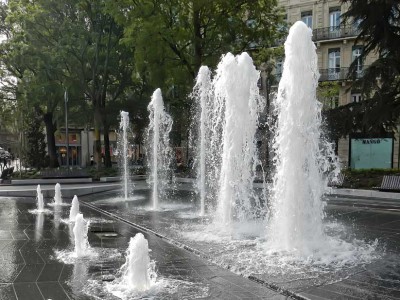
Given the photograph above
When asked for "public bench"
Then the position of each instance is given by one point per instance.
(390, 183)
(5, 176)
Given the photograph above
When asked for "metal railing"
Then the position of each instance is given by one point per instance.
(333, 74)
(334, 32)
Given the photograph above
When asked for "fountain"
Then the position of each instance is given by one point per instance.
(80, 236)
(235, 88)
(202, 95)
(57, 194)
(227, 113)
(303, 157)
(123, 151)
(138, 272)
(158, 150)
(39, 227)
(74, 209)
(39, 197)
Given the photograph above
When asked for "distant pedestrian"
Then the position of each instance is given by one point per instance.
(91, 160)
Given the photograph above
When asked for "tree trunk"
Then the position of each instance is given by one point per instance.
(97, 140)
(51, 141)
(107, 156)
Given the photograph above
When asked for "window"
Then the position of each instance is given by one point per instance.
(356, 97)
(334, 64)
(306, 17)
(356, 58)
(278, 69)
(279, 66)
(334, 18)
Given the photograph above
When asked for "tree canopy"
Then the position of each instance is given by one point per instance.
(111, 55)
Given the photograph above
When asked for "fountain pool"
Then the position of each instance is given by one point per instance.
(293, 241)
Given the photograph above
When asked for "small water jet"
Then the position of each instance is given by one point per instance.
(74, 209)
(39, 226)
(201, 94)
(138, 272)
(39, 198)
(158, 150)
(123, 152)
(80, 236)
(57, 195)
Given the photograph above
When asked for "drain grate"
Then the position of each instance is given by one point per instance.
(106, 234)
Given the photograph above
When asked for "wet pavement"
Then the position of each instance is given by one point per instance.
(30, 245)
(374, 223)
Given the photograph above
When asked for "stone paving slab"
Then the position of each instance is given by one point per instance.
(361, 217)
(30, 270)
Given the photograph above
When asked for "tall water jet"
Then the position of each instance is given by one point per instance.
(80, 236)
(158, 150)
(201, 94)
(303, 157)
(39, 198)
(74, 209)
(238, 96)
(57, 194)
(123, 151)
(137, 272)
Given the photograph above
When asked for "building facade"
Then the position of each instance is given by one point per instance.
(81, 147)
(337, 48)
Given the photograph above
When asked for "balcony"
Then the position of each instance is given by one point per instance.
(331, 33)
(334, 74)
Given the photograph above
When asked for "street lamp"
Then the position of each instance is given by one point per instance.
(66, 125)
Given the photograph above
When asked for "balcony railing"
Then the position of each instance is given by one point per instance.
(333, 74)
(336, 32)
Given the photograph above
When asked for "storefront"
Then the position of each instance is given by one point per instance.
(371, 152)
(74, 148)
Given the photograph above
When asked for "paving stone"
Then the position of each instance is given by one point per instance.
(27, 291)
(28, 262)
(7, 292)
(52, 290)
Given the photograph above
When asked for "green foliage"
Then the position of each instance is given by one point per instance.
(97, 173)
(366, 178)
(328, 93)
(172, 39)
(36, 146)
(111, 55)
(31, 174)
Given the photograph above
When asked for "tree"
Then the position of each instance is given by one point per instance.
(379, 25)
(74, 45)
(36, 145)
(173, 38)
(92, 42)
(30, 55)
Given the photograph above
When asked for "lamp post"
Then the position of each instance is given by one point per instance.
(66, 125)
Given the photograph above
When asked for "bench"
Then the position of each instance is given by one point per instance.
(336, 181)
(5, 176)
(390, 183)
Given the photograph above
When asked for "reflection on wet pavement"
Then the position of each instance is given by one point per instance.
(370, 221)
(29, 268)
